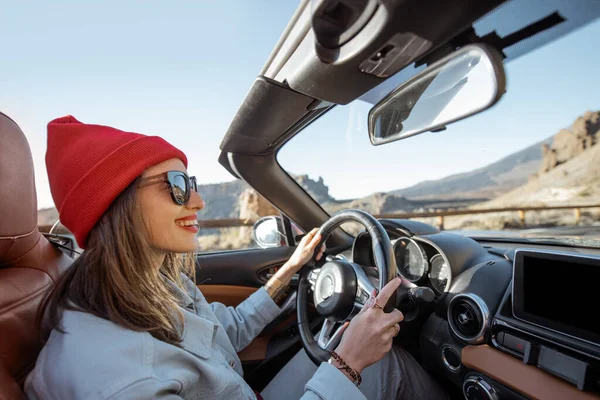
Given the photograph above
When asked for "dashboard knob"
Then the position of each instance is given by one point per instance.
(421, 295)
(476, 388)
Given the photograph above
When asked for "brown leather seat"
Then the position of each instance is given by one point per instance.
(29, 263)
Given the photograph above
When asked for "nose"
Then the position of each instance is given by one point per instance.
(196, 202)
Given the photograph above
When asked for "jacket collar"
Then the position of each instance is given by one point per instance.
(185, 300)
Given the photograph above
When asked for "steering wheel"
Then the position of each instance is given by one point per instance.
(341, 288)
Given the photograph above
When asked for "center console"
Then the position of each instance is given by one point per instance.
(550, 316)
(523, 327)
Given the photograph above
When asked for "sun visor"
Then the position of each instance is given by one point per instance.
(268, 111)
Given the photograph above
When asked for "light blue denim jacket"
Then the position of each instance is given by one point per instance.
(97, 359)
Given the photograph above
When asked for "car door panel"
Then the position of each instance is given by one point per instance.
(230, 295)
(239, 267)
(230, 277)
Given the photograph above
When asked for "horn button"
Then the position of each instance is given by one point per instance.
(335, 290)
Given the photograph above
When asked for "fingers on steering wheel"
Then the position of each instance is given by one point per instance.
(388, 290)
(321, 251)
(313, 241)
(309, 236)
(316, 239)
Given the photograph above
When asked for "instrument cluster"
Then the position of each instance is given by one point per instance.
(421, 263)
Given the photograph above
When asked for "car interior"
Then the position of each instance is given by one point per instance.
(489, 319)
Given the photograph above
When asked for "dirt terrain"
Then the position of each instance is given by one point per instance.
(569, 174)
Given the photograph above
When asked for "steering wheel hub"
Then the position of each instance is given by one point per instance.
(326, 288)
(335, 290)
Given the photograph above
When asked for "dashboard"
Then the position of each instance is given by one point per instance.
(508, 321)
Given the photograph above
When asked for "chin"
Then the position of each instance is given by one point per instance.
(180, 246)
(185, 248)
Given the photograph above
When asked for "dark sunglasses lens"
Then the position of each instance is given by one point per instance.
(180, 188)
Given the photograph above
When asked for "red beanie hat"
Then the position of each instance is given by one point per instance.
(90, 165)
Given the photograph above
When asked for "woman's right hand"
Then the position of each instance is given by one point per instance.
(370, 334)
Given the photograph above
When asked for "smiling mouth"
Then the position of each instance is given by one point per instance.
(193, 222)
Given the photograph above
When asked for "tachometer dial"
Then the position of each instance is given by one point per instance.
(411, 260)
(439, 274)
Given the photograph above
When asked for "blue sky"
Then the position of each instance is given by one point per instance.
(181, 70)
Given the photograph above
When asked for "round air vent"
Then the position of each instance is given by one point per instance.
(468, 317)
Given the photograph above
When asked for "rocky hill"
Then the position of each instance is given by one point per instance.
(571, 142)
(575, 181)
(483, 183)
(377, 203)
(569, 172)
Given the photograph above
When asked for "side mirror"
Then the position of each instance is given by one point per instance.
(459, 85)
(269, 232)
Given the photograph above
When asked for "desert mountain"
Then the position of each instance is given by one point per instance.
(483, 183)
(569, 172)
(223, 199)
(576, 181)
(377, 203)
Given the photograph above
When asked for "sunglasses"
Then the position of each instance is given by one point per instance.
(179, 183)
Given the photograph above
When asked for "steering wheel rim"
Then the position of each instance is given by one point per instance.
(383, 256)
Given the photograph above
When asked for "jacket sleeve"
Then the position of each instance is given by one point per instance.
(329, 383)
(244, 322)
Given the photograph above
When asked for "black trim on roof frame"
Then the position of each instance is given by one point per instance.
(269, 110)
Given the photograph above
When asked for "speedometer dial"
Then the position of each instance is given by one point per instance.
(440, 274)
(411, 260)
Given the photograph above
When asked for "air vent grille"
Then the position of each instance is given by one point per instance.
(468, 317)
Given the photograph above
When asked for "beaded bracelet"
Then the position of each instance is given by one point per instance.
(352, 372)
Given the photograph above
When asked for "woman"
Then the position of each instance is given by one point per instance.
(128, 320)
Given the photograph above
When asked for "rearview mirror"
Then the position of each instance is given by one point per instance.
(463, 83)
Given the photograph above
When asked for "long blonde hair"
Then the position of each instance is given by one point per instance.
(114, 278)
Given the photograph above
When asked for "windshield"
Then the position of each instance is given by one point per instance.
(526, 166)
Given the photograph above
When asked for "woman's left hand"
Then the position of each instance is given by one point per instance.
(302, 255)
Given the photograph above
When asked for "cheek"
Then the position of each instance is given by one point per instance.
(158, 226)
(159, 217)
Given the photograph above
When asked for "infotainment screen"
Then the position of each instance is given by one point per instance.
(558, 291)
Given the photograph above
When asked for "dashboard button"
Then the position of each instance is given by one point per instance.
(500, 338)
(514, 343)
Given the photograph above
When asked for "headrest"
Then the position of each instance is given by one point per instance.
(18, 203)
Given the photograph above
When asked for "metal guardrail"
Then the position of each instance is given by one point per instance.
(224, 223)
(441, 214)
(520, 210)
